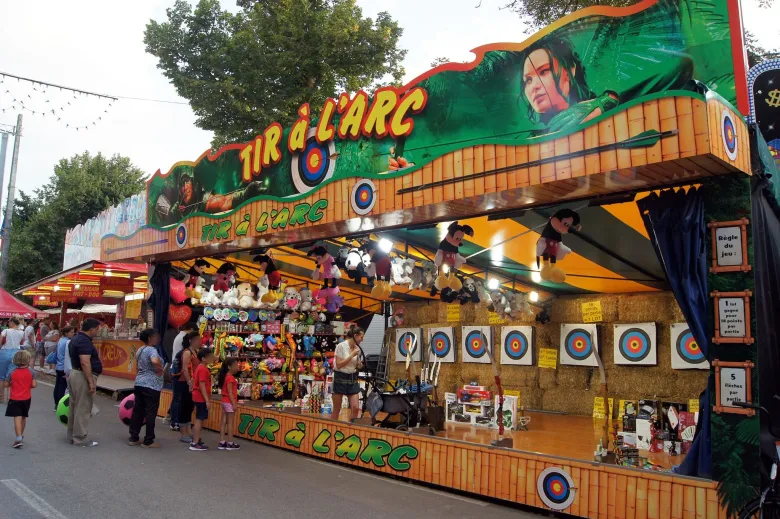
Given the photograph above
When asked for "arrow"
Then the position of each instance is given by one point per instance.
(644, 139)
(129, 247)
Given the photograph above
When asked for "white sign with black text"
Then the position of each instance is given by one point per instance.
(731, 313)
(728, 246)
(733, 386)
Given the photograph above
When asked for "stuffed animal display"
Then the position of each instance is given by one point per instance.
(326, 270)
(225, 277)
(380, 268)
(270, 278)
(550, 247)
(448, 256)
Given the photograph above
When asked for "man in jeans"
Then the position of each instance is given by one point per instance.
(86, 367)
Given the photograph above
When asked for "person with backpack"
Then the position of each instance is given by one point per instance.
(173, 410)
(148, 385)
(182, 373)
(61, 383)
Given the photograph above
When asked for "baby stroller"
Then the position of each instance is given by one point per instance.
(397, 409)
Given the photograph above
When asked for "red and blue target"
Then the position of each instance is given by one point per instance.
(729, 134)
(181, 235)
(688, 349)
(407, 344)
(314, 165)
(555, 488)
(515, 345)
(441, 344)
(634, 345)
(476, 344)
(363, 196)
(579, 344)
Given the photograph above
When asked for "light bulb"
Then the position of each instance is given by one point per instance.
(385, 245)
(533, 296)
(493, 284)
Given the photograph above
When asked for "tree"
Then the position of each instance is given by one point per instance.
(81, 187)
(756, 53)
(544, 12)
(243, 71)
(439, 61)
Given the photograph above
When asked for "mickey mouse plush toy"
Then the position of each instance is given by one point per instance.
(448, 255)
(196, 270)
(270, 278)
(550, 247)
(379, 267)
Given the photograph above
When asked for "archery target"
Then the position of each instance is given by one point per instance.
(686, 353)
(579, 345)
(729, 134)
(635, 344)
(181, 236)
(555, 488)
(475, 343)
(517, 345)
(314, 165)
(441, 345)
(407, 339)
(363, 196)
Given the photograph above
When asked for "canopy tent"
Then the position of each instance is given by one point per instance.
(86, 309)
(10, 307)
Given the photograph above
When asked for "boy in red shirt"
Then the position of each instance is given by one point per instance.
(21, 382)
(201, 394)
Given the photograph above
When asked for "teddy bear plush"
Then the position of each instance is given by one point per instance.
(306, 299)
(245, 295)
(291, 299)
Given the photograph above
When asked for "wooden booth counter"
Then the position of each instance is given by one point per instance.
(118, 356)
(596, 491)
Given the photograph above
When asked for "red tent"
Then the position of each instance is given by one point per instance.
(10, 306)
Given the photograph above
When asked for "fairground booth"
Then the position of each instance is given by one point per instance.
(112, 292)
(564, 240)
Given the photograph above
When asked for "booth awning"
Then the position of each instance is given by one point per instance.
(10, 306)
(93, 281)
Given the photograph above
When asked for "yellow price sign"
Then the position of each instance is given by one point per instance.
(591, 312)
(598, 407)
(512, 392)
(693, 405)
(548, 358)
(453, 313)
(133, 309)
(493, 318)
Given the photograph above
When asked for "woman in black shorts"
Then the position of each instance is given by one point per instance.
(345, 375)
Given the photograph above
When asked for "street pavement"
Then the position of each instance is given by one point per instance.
(48, 478)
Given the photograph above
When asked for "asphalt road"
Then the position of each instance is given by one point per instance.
(51, 479)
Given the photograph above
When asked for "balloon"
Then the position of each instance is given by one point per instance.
(178, 288)
(179, 315)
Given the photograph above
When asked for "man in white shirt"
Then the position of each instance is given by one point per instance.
(173, 410)
(30, 344)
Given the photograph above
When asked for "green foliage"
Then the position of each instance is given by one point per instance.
(243, 71)
(544, 12)
(755, 52)
(81, 187)
(736, 486)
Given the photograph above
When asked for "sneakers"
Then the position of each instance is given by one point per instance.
(198, 447)
(153, 445)
(186, 439)
(175, 427)
(222, 446)
(167, 419)
(87, 444)
(134, 443)
(18, 444)
(233, 446)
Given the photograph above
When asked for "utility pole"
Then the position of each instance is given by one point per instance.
(9, 206)
(3, 148)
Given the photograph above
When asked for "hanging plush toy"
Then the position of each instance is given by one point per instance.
(308, 345)
(196, 271)
(379, 268)
(448, 255)
(326, 270)
(550, 247)
(356, 264)
(225, 278)
(271, 277)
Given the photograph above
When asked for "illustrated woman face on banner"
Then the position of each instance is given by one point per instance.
(545, 84)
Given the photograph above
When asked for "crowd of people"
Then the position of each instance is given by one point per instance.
(76, 362)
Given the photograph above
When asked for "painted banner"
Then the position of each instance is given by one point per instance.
(559, 80)
(82, 243)
(118, 357)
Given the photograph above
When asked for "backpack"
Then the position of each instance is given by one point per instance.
(176, 367)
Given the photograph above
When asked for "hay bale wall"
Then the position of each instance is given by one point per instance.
(567, 389)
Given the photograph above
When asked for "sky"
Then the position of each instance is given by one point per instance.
(97, 46)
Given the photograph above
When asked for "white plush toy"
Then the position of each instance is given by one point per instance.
(233, 299)
(245, 299)
(213, 297)
(291, 299)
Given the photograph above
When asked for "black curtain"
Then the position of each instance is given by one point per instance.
(161, 297)
(676, 226)
(766, 247)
